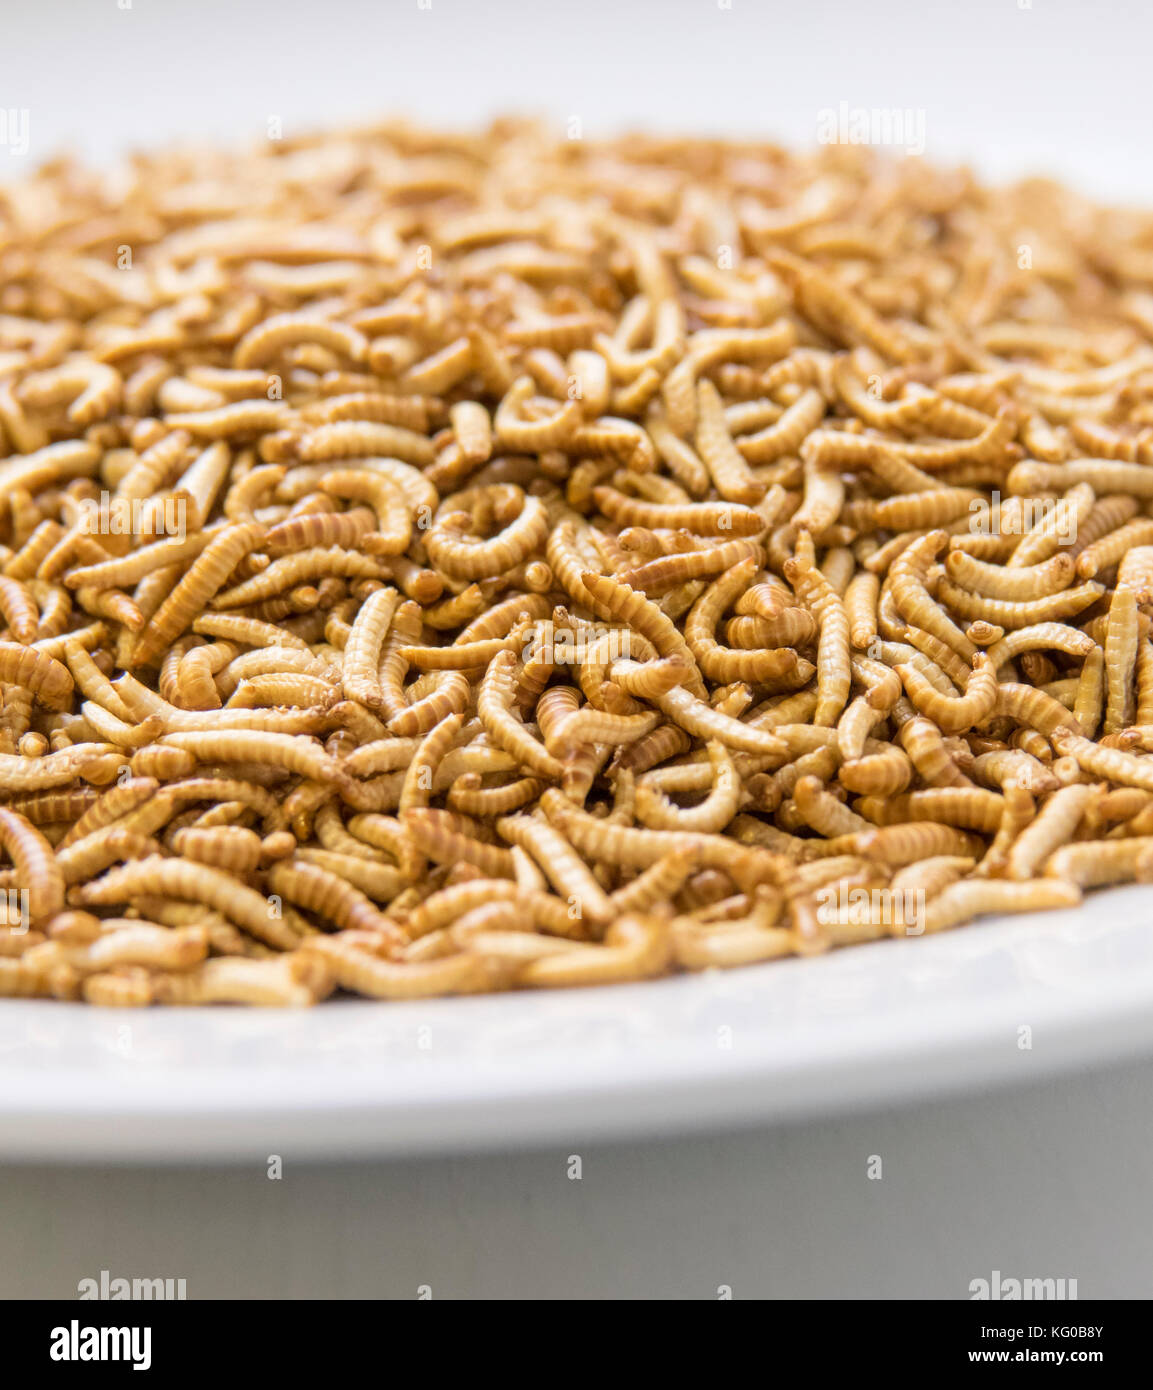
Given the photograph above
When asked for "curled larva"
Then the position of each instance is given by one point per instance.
(908, 576)
(524, 435)
(494, 707)
(1034, 709)
(451, 694)
(1041, 636)
(192, 882)
(618, 601)
(195, 684)
(764, 666)
(463, 556)
(657, 884)
(703, 721)
(1113, 764)
(279, 331)
(952, 715)
(91, 390)
(1020, 584)
(656, 810)
(36, 867)
(359, 669)
(45, 677)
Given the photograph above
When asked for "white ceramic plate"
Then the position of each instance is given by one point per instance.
(888, 1022)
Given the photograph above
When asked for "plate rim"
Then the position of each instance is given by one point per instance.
(454, 1104)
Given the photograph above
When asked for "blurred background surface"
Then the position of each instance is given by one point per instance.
(1048, 1181)
(1011, 85)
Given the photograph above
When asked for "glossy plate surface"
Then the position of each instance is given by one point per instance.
(892, 1021)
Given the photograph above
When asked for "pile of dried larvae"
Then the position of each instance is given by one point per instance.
(435, 564)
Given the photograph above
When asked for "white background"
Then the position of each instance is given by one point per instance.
(1049, 1180)
(1061, 85)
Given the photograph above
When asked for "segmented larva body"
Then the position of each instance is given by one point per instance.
(437, 835)
(700, 518)
(382, 979)
(659, 575)
(359, 671)
(1121, 641)
(37, 869)
(762, 667)
(834, 675)
(203, 580)
(465, 557)
(494, 705)
(726, 464)
(560, 863)
(193, 882)
(618, 601)
(282, 330)
(960, 902)
(36, 671)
